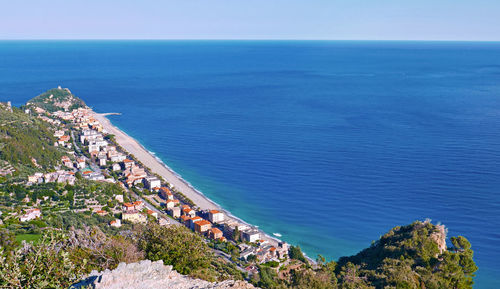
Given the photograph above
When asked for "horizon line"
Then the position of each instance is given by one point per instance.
(241, 39)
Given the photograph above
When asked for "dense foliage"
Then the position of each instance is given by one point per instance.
(51, 99)
(186, 251)
(23, 138)
(412, 256)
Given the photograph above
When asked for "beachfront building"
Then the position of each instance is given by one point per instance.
(215, 216)
(171, 203)
(215, 234)
(175, 212)
(166, 194)
(185, 220)
(194, 220)
(250, 235)
(128, 163)
(152, 182)
(202, 226)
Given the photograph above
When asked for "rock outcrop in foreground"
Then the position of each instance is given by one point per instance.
(151, 275)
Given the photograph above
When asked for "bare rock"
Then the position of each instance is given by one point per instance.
(151, 275)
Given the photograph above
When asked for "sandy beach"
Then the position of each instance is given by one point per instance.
(136, 149)
(160, 168)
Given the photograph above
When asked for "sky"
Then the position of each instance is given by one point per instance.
(251, 19)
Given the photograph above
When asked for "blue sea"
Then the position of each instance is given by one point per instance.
(329, 144)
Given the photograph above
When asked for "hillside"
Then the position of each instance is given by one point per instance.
(56, 99)
(413, 256)
(24, 138)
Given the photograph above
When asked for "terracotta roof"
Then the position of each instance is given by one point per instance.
(128, 161)
(203, 223)
(216, 231)
(214, 212)
(128, 205)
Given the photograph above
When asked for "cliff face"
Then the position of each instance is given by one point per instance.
(150, 275)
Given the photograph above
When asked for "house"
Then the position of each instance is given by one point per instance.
(102, 162)
(171, 203)
(215, 216)
(185, 220)
(194, 220)
(119, 198)
(30, 214)
(251, 235)
(128, 163)
(166, 194)
(116, 223)
(189, 212)
(215, 233)
(101, 213)
(116, 167)
(152, 213)
(36, 178)
(138, 205)
(126, 207)
(202, 226)
(59, 133)
(163, 222)
(67, 162)
(152, 182)
(63, 139)
(175, 212)
(80, 163)
(134, 217)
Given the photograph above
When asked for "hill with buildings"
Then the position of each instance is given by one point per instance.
(56, 99)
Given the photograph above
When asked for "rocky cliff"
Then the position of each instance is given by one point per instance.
(150, 275)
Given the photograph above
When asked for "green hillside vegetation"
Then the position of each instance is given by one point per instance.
(23, 137)
(406, 257)
(409, 257)
(56, 99)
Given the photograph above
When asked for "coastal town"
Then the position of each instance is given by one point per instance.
(139, 195)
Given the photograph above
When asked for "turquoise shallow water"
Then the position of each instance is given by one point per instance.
(330, 144)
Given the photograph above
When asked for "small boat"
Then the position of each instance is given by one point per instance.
(277, 234)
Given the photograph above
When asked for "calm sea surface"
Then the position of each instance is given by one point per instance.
(330, 144)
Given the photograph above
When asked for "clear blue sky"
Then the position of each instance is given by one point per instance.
(251, 19)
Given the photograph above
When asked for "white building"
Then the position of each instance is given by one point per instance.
(215, 216)
(31, 214)
(152, 182)
(116, 167)
(251, 235)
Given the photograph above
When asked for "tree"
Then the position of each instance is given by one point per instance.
(296, 253)
(176, 246)
(44, 265)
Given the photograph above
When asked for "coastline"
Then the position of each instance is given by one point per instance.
(156, 165)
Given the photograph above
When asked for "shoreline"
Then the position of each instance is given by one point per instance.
(158, 166)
